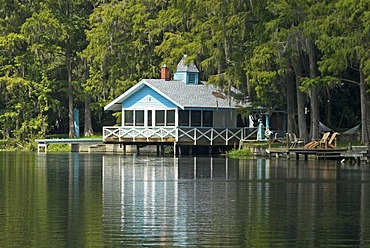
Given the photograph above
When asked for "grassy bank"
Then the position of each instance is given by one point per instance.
(240, 153)
(12, 144)
(17, 145)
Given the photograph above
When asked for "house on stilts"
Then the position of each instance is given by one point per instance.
(182, 112)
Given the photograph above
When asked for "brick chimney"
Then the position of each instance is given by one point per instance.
(165, 73)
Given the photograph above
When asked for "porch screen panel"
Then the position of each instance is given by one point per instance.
(159, 117)
(207, 118)
(150, 118)
(184, 117)
(139, 117)
(129, 117)
(170, 120)
(196, 118)
(241, 121)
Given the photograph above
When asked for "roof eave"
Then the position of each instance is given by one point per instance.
(164, 95)
(125, 95)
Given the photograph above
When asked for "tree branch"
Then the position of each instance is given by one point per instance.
(349, 81)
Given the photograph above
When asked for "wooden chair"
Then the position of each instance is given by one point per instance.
(332, 139)
(324, 140)
(320, 143)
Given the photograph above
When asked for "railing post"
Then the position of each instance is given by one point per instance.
(227, 136)
(212, 136)
(195, 136)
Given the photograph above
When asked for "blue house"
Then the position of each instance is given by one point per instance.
(179, 111)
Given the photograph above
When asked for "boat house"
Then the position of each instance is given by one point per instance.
(179, 111)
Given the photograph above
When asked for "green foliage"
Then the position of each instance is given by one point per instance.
(12, 144)
(240, 153)
(111, 45)
(309, 83)
(59, 148)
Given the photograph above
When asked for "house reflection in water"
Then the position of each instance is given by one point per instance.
(195, 200)
(150, 196)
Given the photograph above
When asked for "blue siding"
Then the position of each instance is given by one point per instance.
(147, 96)
(186, 76)
(180, 76)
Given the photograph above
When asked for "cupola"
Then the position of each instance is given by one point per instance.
(188, 73)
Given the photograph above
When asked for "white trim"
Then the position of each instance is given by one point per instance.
(134, 89)
(164, 134)
(122, 116)
(124, 95)
(176, 117)
(164, 95)
(146, 109)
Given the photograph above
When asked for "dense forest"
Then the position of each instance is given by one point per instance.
(310, 58)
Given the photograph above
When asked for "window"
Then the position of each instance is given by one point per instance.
(207, 118)
(159, 117)
(191, 78)
(184, 117)
(139, 117)
(170, 121)
(196, 118)
(129, 118)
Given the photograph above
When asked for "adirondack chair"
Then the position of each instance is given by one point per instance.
(294, 140)
(318, 143)
(324, 140)
(333, 139)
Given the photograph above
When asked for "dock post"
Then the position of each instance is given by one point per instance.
(269, 145)
(124, 149)
(137, 149)
(40, 145)
(175, 149)
(162, 149)
(157, 150)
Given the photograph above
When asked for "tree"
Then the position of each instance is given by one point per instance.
(344, 43)
(120, 50)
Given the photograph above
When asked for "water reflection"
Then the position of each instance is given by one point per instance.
(205, 201)
(96, 200)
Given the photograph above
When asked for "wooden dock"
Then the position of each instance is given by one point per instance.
(319, 153)
(356, 155)
(98, 145)
(42, 144)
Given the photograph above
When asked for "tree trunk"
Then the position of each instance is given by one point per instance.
(364, 109)
(71, 125)
(328, 108)
(314, 100)
(88, 131)
(302, 124)
(291, 125)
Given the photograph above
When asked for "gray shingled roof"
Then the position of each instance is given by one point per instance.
(191, 96)
(181, 66)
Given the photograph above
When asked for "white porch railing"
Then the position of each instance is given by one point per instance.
(188, 135)
(135, 134)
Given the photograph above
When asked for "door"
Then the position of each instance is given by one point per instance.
(149, 116)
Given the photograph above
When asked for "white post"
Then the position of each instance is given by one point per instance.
(176, 117)
(195, 136)
(212, 136)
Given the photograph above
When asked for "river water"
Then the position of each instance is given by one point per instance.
(107, 200)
